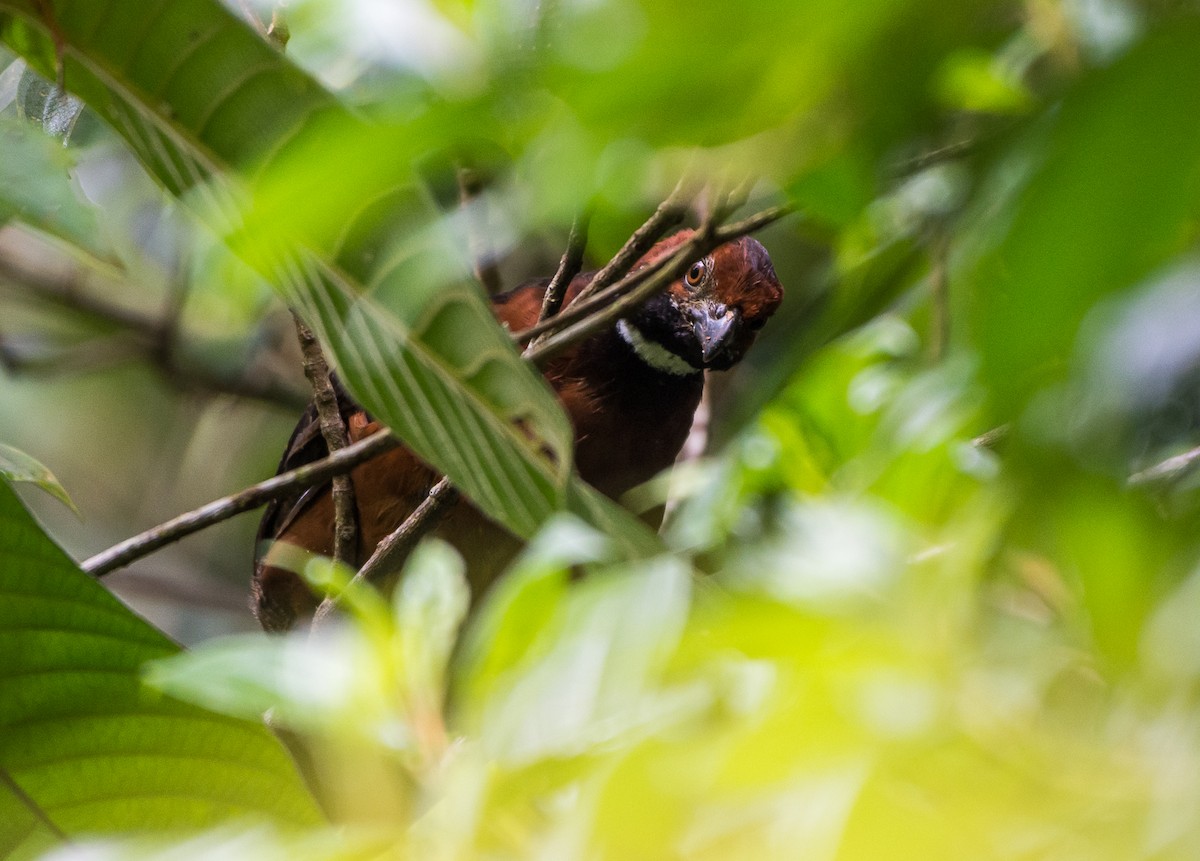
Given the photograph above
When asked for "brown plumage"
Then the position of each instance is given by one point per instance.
(631, 392)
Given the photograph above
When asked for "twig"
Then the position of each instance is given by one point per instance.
(669, 213)
(991, 438)
(146, 334)
(947, 152)
(483, 258)
(84, 357)
(317, 472)
(1171, 469)
(333, 429)
(603, 310)
(396, 547)
(568, 268)
(69, 293)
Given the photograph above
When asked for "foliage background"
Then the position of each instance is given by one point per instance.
(876, 634)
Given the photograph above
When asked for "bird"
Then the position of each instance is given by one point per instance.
(631, 391)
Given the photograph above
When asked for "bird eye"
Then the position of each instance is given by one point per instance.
(696, 274)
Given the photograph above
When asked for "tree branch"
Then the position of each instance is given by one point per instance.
(1171, 469)
(146, 336)
(392, 550)
(582, 307)
(226, 507)
(669, 213)
(333, 429)
(568, 268)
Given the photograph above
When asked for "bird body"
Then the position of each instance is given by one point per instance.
(631, 392)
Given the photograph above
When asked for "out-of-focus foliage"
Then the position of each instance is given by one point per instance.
(933, 596)
(87, 748)
(17, 466)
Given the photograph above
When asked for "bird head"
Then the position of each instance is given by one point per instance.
(708, 319)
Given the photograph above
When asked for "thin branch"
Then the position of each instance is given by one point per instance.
(391, 551)
(69, 293)
(281, 485)
(147, 335)
(568, 268)
(947, 152)
(1171, 469)
(992, 438)
(604, 310)
(483, 257)
(84, 357)
(669, 213)
(333, 429)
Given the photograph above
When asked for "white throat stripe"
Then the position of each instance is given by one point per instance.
(654, 355)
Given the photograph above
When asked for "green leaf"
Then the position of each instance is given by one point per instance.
(1114, 196)
(520, 605)
(217, 116)
(16, 465)
(36, 188)
(430, 605)
(43, 102)
(85, 746)
(976, 81)
(593, 669)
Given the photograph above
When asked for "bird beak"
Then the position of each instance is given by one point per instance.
(715, 325)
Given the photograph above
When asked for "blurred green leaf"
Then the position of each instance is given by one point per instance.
(591, 673)
(973, 81)
(36, 188)
(1113, 196)
(520, 606)
(16, 465)
(430, 604)
(85, 748)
